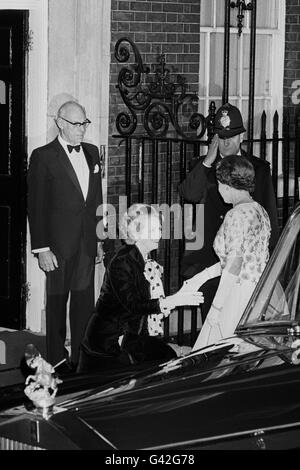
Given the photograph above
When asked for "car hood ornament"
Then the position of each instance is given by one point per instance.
(41, 387)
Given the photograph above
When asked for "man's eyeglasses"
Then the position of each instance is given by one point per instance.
(84, 124)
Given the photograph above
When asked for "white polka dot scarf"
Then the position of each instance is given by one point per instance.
(153, 272)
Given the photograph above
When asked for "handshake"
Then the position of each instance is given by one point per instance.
(194, 284)
(189, 293)
(183, 298)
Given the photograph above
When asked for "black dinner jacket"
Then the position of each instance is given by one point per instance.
(58, 214)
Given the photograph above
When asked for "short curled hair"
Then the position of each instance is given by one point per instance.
(236, 171)
(132, 221)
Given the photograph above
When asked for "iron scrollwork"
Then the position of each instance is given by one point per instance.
(160, 101)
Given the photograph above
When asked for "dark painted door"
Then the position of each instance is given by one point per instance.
(13, 27)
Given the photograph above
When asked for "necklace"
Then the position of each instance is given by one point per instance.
(244, 201)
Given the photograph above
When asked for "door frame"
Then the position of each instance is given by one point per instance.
(35, 128)
(37, 122)
(37, 72)
(13, 183)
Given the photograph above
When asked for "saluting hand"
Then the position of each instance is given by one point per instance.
(212, 151)
(100, 253)
(47, 261)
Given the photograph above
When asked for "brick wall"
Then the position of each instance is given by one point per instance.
(292, 56)
(172, 27)
(169, 27)
(291, 75)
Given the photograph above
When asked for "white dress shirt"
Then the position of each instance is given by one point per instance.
(79, 164)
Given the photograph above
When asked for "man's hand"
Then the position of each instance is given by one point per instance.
(47, 261)
(212, 151)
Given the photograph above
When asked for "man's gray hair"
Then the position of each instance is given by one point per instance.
(66, 105)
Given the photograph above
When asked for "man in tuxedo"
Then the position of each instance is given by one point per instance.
(200, 186)
(64, 191)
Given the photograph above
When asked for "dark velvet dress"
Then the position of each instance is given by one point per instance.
(122, 309)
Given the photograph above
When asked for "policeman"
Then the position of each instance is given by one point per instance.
(200, 186)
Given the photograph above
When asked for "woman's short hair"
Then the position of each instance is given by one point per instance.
(132, 221)
(236, 171)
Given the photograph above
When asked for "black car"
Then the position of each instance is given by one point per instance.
(240, 393)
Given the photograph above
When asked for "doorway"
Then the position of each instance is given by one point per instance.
(13, 163)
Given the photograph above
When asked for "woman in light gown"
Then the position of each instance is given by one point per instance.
(242, 247)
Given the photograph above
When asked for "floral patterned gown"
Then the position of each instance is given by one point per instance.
(243, 236)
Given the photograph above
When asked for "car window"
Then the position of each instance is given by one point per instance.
(277, 296)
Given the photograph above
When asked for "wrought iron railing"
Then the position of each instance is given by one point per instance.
(158, 98)
(159, 152)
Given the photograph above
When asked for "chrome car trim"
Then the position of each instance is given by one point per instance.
(255, 433)
(294, 330)
(97, 433)
(10, 444)
(130, 384)
(266, 327)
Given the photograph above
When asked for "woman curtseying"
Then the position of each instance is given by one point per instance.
(125, 327)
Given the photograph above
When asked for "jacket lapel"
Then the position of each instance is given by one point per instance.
(65, 162)
(88, 157)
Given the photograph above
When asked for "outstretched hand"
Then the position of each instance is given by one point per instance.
(185, 298)
(47, 261)
(193, 284)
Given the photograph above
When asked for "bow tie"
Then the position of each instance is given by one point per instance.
(75, 147)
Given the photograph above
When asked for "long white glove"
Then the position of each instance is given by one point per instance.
(193, 284)
(180, 299)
